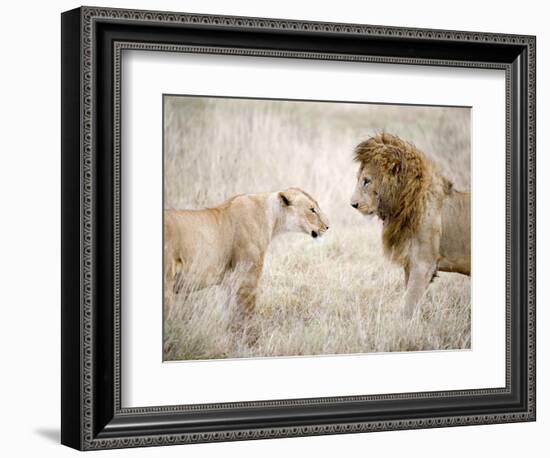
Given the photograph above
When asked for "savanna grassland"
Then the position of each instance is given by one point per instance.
(338, 295)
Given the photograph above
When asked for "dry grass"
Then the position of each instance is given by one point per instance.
(339, 296)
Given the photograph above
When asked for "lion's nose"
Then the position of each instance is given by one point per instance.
(355, 204)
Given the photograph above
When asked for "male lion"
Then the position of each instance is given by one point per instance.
(203, 245)
(426, 222)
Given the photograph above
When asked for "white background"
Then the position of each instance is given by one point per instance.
(147, 76)
(30, 244)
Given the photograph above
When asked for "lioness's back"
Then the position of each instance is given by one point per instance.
(196, 235)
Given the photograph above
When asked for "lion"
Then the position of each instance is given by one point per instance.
(426, 221)
(204, 245)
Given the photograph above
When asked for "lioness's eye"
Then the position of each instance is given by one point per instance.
(312, 209)
(366, 181)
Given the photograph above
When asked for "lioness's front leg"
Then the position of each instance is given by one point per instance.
(246, 293)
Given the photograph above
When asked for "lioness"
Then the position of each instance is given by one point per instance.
(426, 221)
(203, 245)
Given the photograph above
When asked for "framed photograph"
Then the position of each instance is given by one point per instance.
(276, 228)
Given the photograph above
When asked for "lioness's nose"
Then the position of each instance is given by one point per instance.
(354, 204)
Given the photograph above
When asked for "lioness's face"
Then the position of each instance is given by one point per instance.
(365, 196)
(301, 213)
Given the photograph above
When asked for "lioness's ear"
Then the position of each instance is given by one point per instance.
(284, 199)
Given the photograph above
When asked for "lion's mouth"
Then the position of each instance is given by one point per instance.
(366, 211)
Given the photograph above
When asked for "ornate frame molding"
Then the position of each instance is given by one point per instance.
(88, 435)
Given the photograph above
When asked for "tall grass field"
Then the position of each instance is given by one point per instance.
(333, 296)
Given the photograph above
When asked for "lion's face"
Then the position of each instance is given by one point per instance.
(301, 213)
(365, 198)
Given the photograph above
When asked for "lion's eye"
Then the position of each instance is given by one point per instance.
(312, 210)
(366, 181)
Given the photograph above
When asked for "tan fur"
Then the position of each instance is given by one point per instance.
(203, 245)
(426, 222)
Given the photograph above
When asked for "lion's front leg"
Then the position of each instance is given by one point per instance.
(420, 277)
(406, 272)
(419, 271)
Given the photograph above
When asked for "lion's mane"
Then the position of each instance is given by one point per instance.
(407, 183)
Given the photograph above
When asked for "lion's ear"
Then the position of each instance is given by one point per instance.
(394, 160)
(284, 199)
(395, 168)
(395, 163)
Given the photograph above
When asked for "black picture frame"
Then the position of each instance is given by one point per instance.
(92, 42)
